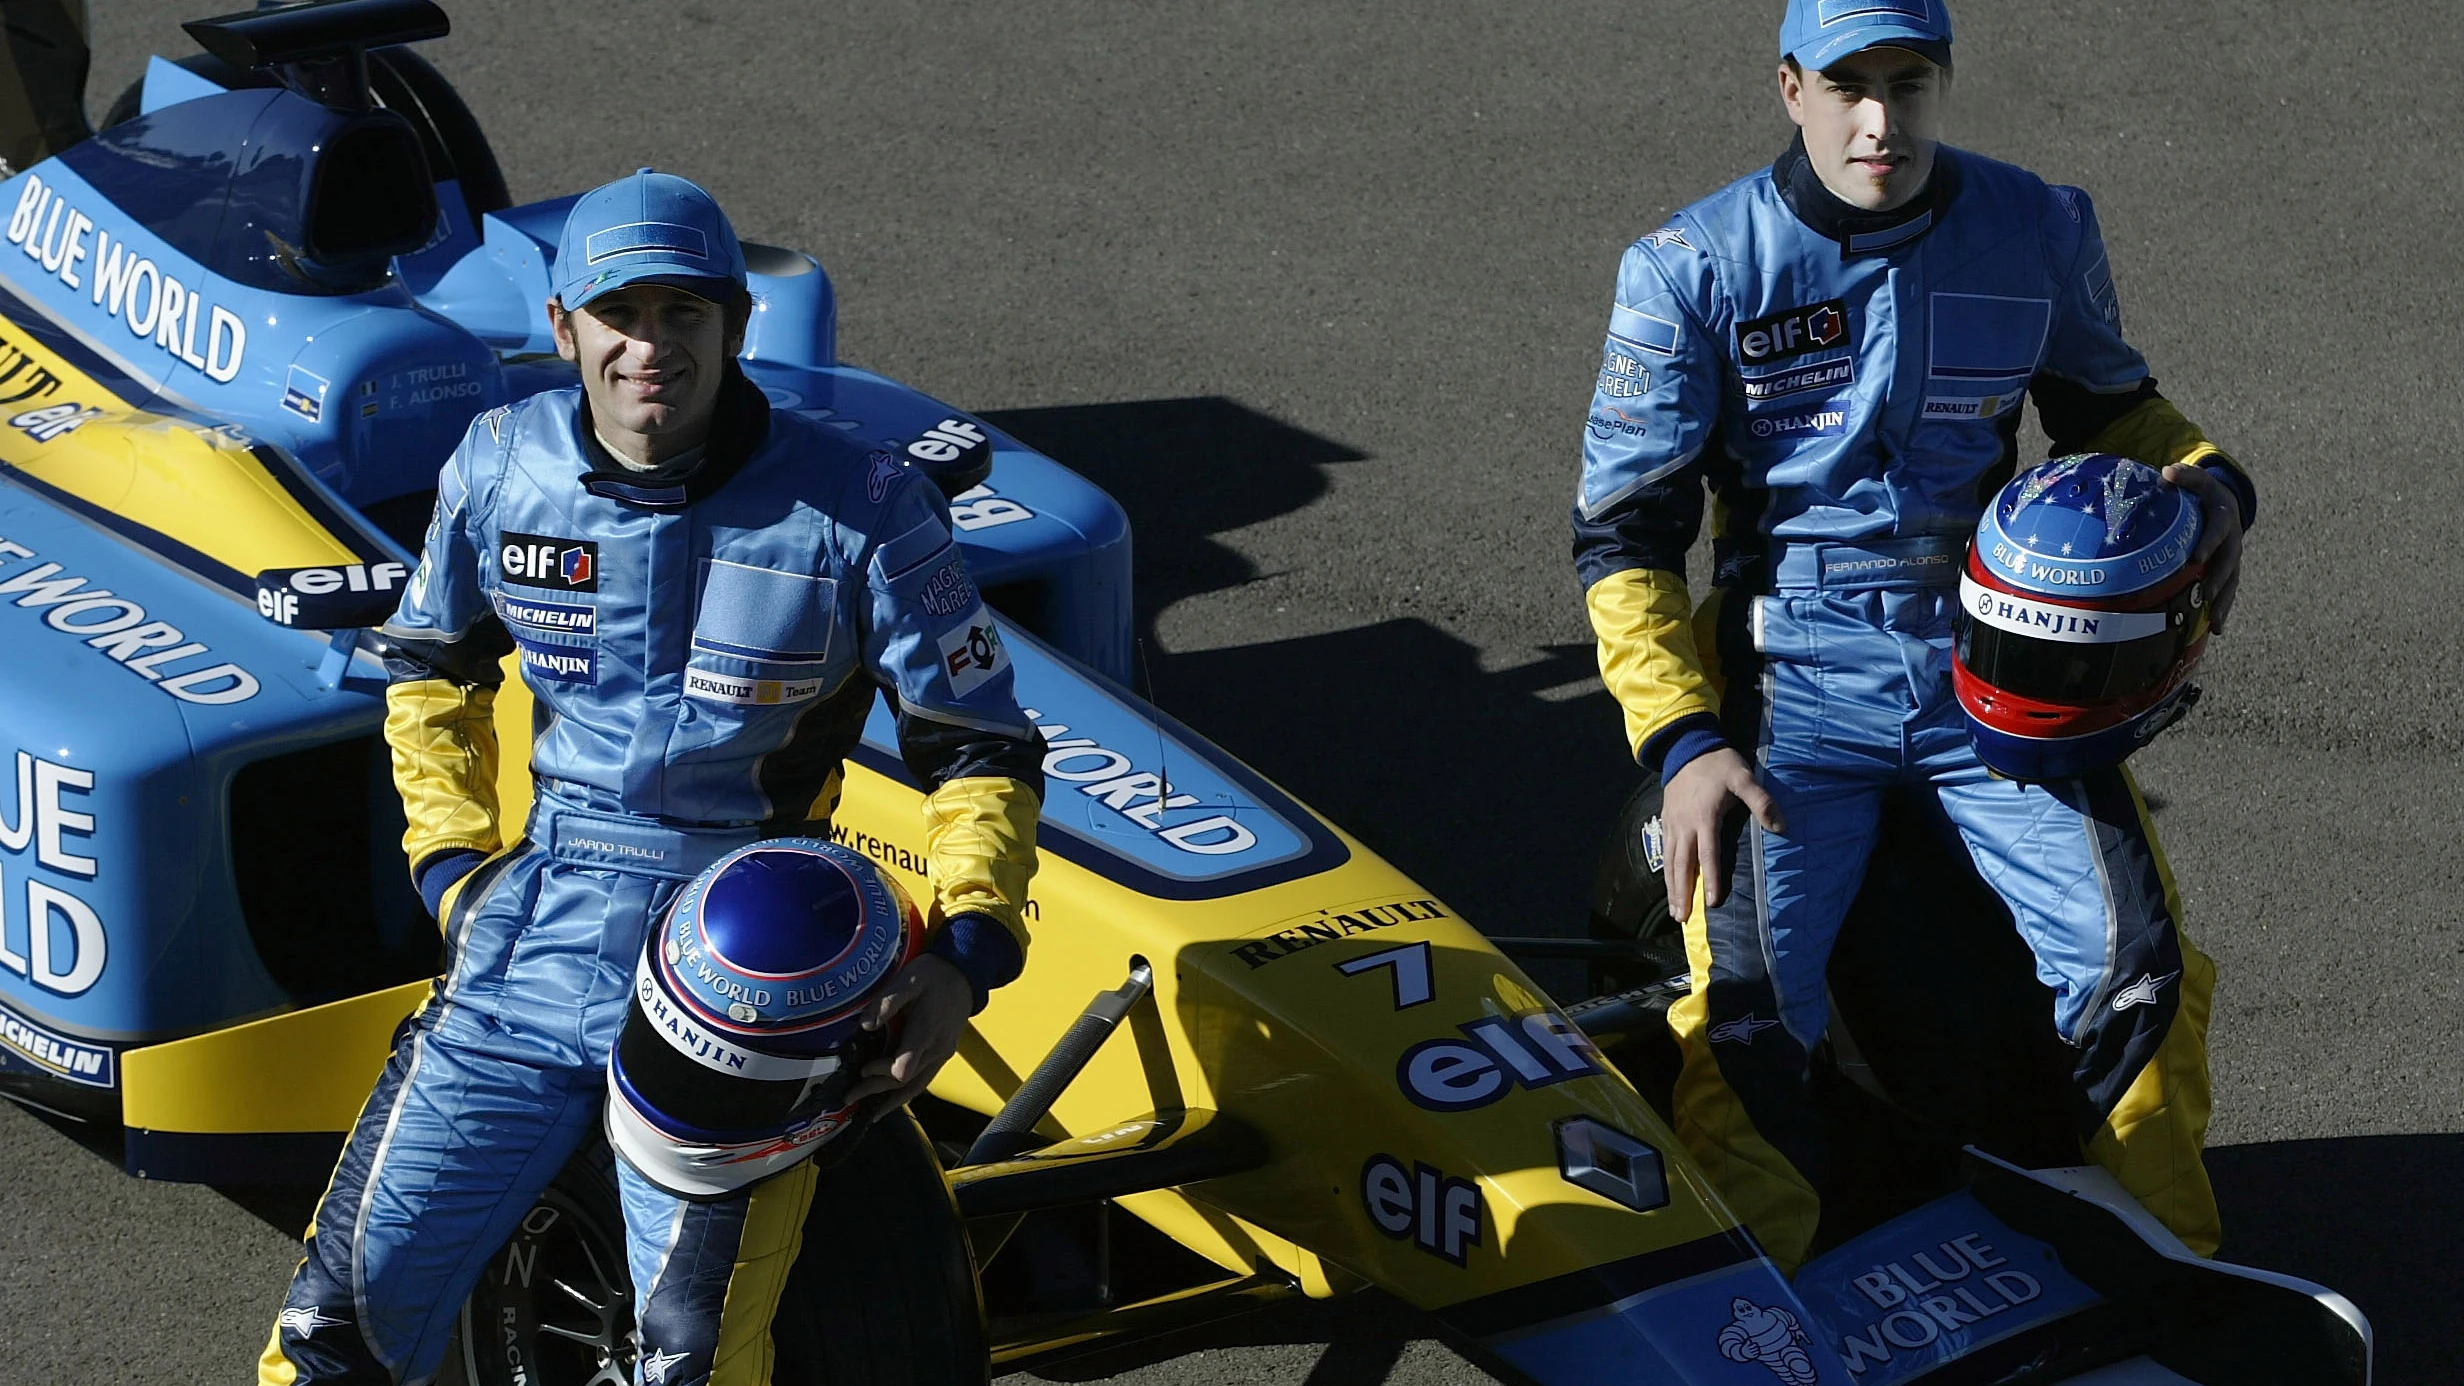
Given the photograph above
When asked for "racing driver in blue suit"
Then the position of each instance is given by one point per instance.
(1837, 348)
(705, 597)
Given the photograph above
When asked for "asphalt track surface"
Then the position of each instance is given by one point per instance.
(1317, 290)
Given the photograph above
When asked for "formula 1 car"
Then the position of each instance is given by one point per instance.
(240, 327)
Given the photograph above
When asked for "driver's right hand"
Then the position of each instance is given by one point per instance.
(1690, 814)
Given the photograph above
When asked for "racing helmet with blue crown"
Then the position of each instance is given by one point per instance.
(746, 1032)
(2081, 615)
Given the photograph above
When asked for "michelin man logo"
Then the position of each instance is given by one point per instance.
(1772, 1337)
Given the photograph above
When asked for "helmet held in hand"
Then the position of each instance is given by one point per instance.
(746, 1027)
(2081, 616)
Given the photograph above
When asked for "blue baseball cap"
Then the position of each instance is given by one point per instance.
(1818, 33)
(653, 227)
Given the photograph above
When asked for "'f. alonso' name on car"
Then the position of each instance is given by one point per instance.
(148, 299)
(119, 628)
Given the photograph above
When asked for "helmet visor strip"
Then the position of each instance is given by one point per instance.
(694, 1105)
(2048, 653)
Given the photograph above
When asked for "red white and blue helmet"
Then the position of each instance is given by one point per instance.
(745, 1031)
(2081, 615)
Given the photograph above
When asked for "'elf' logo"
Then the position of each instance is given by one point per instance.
(564, 565)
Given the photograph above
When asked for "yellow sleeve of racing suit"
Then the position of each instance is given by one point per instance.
(443, 741)
(979, 836)
(2157, 434)
(1649, 657)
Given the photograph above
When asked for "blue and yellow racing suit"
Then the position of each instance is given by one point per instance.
(703, 650)
(1847, 387)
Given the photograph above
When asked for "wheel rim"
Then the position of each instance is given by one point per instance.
(555, 1307)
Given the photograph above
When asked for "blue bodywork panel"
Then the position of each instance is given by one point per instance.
(1934, 1286)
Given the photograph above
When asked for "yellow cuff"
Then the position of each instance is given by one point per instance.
(443, 740)
(979, 836)
(2157, 434)
(1644, 619)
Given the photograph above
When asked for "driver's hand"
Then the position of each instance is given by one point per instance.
(2220, 539)
(1690, 814)
(930, 1001)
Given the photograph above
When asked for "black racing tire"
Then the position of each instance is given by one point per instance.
(883, 1293)
(404, 83)
(457, 148)
(1629, 898)
(131, 99)
(1952, 1040)
(555, 1306)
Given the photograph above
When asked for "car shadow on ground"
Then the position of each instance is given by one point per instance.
(2374, 1217)
(1493, 796)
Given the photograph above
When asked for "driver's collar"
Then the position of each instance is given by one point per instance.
(1860, 232)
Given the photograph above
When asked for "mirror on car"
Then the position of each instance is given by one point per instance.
(348, 596)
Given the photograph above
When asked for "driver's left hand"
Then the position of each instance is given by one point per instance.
(2220, 538)
(930, 1001)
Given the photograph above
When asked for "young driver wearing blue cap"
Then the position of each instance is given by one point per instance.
(705, 596)
(1838, 346)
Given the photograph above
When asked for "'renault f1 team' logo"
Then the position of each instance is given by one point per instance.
(563, 565)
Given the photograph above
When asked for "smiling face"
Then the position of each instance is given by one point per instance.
(651, 358)
(1871, 123)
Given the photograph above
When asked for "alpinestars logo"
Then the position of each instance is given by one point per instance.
(563, 565)
(307, 1320)
(1797, 332)
(656, 1366)
(2142, 992)
(1741, 1030)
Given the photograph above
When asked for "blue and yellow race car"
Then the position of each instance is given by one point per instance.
(239, 329)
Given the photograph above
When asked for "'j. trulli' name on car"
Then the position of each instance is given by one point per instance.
(149, 300)
(156, 651)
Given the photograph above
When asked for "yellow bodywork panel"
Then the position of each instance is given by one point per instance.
(201, 486)
(307, 1071)
(1330, 1013)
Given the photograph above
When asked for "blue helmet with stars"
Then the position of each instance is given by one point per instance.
(746, 1026)
(2081, 616)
